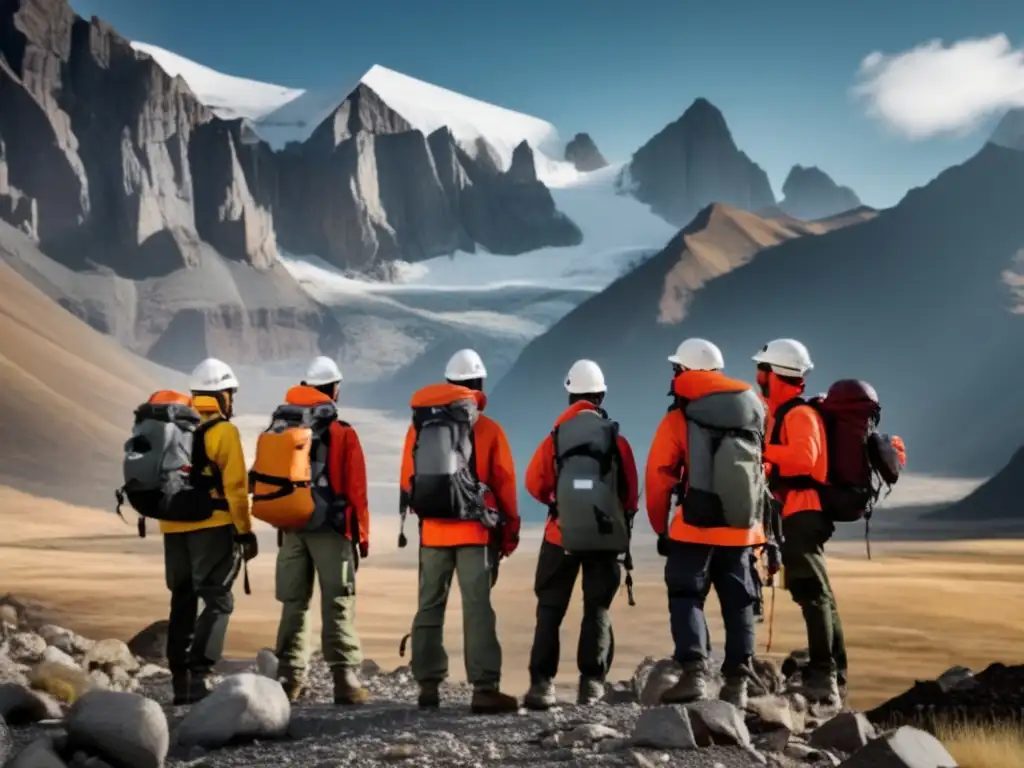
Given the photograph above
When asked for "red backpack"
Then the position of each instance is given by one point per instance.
(860, 459)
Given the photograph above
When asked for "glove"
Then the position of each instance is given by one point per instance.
(663, 544)
(248, 545)
(364, 549)
(509, 537)
(773, 559)
(900, 448)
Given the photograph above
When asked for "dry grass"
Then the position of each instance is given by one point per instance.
(911, 613)
(977, 746)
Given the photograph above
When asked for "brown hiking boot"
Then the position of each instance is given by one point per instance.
(347, 688)
(490, 701)
(294, 683)
(430, 696)
(692, 685)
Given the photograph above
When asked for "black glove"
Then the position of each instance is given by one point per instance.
(364, 549)
(663, 545)
(248, 545)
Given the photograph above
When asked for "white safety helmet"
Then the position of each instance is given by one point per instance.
(212, 375)
(585, 378)
(322, 371)
(698, 355)
(787, 357)
(465, 365)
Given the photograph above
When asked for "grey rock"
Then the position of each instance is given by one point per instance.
(151, 643)
(26, 647)
(22, 706)
(122, 728)
(38, 754)
(652, 678)
(65, 640)
(100, 679)
(6, 741)
(9, 618)
(10, 672)
(717, 722)
(151, 671)
(369, 668)
(588, 733)
(401, 752)
(267, 663)
(956, 678)
(244, 706)
(582, 152)
(667, 727)
(120, 679)
(692, 163)
(906, 747)
(776, 712)
(57, 656)
(111, 652)
(810, 193)
(846, 732)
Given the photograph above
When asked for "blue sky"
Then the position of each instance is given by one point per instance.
(780, 71)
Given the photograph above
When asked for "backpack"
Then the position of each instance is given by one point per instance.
(587, 502)
(725, 484)
(164, 463)
(288, 480)
(444, 482)
(860, 459)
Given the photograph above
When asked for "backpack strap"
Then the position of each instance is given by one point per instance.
(790, 482)
(197, 477)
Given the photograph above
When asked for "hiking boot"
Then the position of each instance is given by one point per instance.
(734, 691)
(541, 696)
(198, 687)
(591, 691)
(430, 696)
(692, 685)
(821, 688)
(491, 701)
(294, 684)
(347, 688)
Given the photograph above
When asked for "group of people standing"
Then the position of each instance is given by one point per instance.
(458, 477)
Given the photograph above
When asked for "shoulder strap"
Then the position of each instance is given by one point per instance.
(201, 459)
(780, 416)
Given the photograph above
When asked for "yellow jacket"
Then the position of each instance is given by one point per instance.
(224, 449)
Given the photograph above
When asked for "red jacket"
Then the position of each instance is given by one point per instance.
(541, 478)
(346, 464)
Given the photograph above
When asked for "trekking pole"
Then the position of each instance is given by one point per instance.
(771, 617)
(403, 511)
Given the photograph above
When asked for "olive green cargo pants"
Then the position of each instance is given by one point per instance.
(330, 559)
(806, 578)
(474, 569)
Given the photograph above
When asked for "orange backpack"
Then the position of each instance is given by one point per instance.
(288, 479)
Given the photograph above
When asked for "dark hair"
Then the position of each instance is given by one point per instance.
(477, 385)
(597, 398)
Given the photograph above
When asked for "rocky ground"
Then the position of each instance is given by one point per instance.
(71, 702)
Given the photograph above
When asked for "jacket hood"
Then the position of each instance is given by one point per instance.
(780, 391)
(304, 395)
(691, 385)
(576, 408)
(444, 393)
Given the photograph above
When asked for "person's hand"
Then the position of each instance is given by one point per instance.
(509, 545)
(900, 448)
(364, 549)
(663, 544)
(248, 545)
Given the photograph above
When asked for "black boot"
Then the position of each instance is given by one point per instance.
(180, 688)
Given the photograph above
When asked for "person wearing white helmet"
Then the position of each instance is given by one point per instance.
(798, 457)
(558, 468)
(702, 548)
(203, 559)
(464, 533)
(326, 551)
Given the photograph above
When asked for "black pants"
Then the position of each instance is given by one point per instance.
(690, 572)
(557, 571)
(806, 577)
(199, 565)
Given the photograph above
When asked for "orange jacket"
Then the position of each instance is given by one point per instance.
(494, 468)
(802, 450)
(541, 478)
(667, 461)
(346, 464)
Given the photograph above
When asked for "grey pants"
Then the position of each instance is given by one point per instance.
(199, 565)
(472, 565)
(328, 558)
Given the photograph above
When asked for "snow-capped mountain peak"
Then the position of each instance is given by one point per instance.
(281, 115)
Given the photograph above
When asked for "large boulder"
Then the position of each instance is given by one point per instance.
(25, 647)
(666, 727)
(64, 683)
(113, 653)
(151, 643)
(64, 639)
(41, 753)
(6, 741)
(124, 729)
(242, 707)
(906, 747)
(21, 706)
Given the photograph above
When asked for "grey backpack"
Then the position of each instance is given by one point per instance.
(587, 502)
(164, 463)
(725, 482)
(444, 481)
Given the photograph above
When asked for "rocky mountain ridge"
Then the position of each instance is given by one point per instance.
(109, 161)
(809, 193)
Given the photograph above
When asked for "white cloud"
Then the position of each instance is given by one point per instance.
(937, 89)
